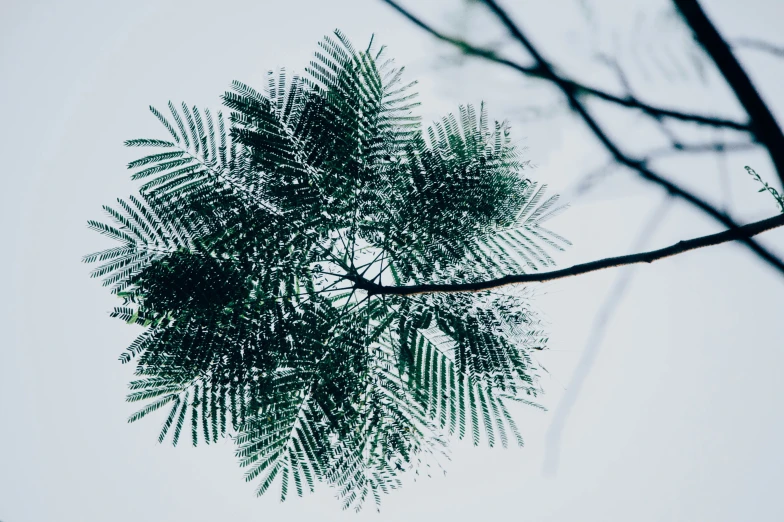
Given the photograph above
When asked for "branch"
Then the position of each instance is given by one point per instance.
(761, 45)
(545, 71)
(698, 148)
(620, 157)
(537, 72)
(763, 124)
(726, 236)
(592, 347)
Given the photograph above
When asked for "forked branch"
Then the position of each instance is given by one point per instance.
(545, 70)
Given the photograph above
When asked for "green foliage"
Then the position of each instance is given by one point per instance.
(241, 255)
(767, 188)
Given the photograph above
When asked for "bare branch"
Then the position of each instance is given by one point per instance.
(543, 69)
(620, 157)
(576, 87)
(761, 45)
(681, 247)
(763, 124)
(699, 148)
(592, 346)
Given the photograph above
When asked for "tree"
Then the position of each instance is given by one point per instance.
(684, 128)
(256, 259)
(324, 280)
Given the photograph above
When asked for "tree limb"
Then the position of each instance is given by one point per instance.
(545, 71)
(744, 232)
(763, 124)
(579, 88)
(592, 346)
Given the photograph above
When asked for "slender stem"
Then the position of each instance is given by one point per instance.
(680, 148)
(726, 236)
(761, 45)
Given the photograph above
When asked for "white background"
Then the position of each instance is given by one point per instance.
(675, 415)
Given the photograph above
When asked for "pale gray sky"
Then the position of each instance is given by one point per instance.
(679, 416)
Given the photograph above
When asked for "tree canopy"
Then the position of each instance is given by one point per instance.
(250, 250)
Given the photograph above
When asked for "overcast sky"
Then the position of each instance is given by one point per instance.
(675, 415)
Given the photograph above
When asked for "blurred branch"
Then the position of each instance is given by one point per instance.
(699, 148)
(576, 87)
(763, 124)
(594, 177)
(722, 164)
(573, 91)
(681, 247)
(588, 181)
(760, 45)
(592, 346)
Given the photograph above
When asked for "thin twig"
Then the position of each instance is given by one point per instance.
(592, 346)
(681, 247)
(761, 45)
(699, 148)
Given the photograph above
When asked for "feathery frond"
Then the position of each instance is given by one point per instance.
(241, 255)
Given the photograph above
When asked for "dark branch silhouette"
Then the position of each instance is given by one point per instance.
(537, 72)
(544, 70)
(612, 148)
(736, 234)
(763, 124)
